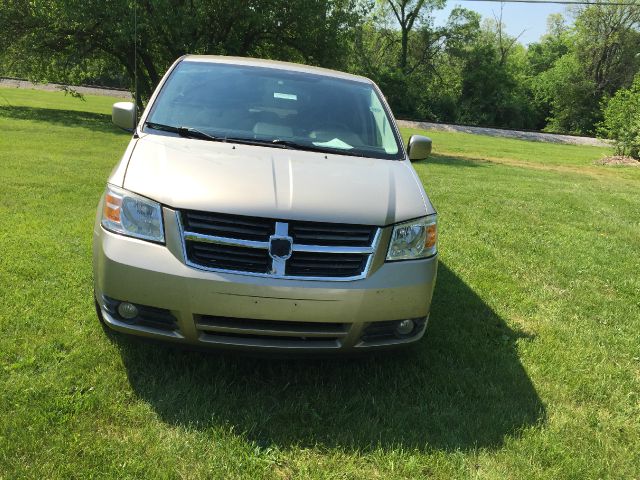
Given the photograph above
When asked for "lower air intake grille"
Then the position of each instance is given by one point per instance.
(386, 330)
(270, 333)
(158, 318)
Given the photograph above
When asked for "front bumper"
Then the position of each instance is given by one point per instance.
(257, 313)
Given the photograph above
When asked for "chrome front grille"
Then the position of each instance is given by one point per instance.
(240, 244)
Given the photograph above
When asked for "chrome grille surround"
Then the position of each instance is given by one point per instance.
(278, 267)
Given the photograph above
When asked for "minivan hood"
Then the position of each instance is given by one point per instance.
(275, 183)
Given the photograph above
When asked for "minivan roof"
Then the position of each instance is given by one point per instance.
(256, 62)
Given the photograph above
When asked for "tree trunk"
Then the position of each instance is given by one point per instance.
(405, 47)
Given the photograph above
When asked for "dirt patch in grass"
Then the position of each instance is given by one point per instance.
(619, 160)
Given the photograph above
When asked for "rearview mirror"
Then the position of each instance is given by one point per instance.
(123, 115)
(419, 147)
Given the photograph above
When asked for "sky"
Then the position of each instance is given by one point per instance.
(516, 16)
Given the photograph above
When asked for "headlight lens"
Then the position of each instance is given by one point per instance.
(414, 239)
(132, 215)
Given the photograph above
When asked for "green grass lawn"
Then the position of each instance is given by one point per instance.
(530, 367)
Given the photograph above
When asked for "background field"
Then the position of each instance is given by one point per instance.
(530, 367)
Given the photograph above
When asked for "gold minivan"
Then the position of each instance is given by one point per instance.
(265, 206)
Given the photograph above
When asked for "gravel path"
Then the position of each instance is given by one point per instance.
(51, 87)
(493, 132)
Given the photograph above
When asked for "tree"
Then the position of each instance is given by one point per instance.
(493, 84)
(569, 94)
(552, 46)
(622, 120)
(420, 90)
(606, 43)
(55, 40)
(503, 42)
(465, 71)
(600, 59)
(409, 13)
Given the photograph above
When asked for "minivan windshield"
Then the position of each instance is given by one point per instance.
(288, 108)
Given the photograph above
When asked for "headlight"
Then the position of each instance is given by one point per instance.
(132, 215)
(414, 239)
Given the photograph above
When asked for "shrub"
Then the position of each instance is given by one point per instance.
(622, 120)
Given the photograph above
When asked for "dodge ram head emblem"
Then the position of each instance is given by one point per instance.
(280, 248)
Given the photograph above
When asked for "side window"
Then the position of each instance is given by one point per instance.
(386, 138)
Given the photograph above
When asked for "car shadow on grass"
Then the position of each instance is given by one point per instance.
(462, 387)
(66, 118)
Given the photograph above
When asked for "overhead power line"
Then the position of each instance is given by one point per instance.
(559, 2)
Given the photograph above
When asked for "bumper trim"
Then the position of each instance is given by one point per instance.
(137, 329)
(391, 342)
(267, 343)
(269, 328)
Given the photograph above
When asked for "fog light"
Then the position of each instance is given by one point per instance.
(405, 327)
(127, 310)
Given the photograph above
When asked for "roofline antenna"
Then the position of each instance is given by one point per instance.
(135, 65)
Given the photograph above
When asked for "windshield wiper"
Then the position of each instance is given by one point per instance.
(190, 132)
(187, 132)
(312, 148)
(159, 126)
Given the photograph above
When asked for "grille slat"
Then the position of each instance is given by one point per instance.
(223, 258)
(329, 234)
(329, 258)
(326, 238)
(233, 243)
(221, 228)
(329, 227)
(231, 220)
(226, 251)
(309, 267)
(223, 225)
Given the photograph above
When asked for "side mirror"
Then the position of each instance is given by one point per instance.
(123, 115)
(419, 147)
